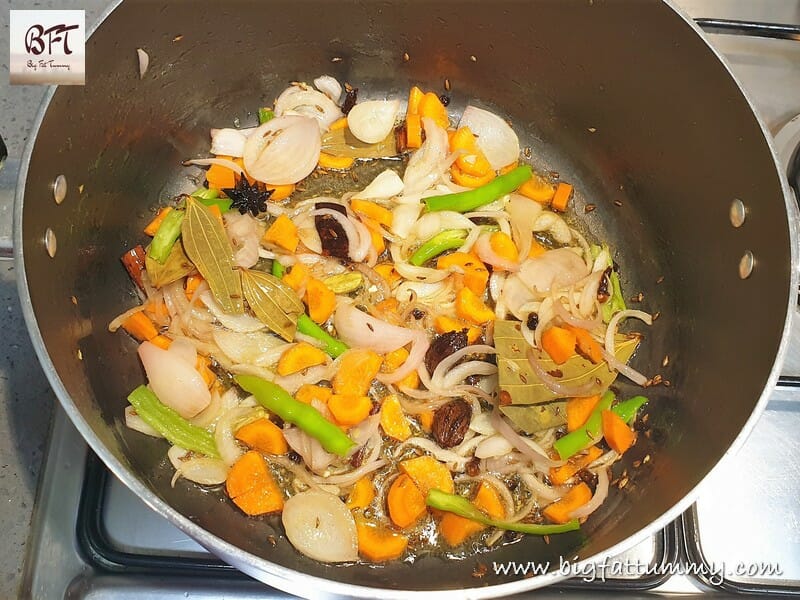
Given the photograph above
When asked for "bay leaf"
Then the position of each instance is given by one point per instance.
(273, 302)
(174, 268)
(342, 142)
(536, 417)
(208, 247)
(516, 377)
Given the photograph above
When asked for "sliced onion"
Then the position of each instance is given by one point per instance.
(309, 103)
(429, 162)
(373, 120)
(600, 494)
(375, 279)
(494, 445)
(135, 422)
(416, 355)
(360, 330)
(495, 137)
(256, 347)
(312, 375)
(481, 423)
(540, 489)
(329, 86)
(568, 317)
(243, 323)
(311, 451)
(117, 322)
(523, 445)
(228, 424)
(609, 351)
(588, 300)
(441, 370)
(202, 470)
(474, 367)
(563, 390)
(183, 349)
(386, 185)
(560, 266)
(176, 382)
(414, 273)
(439, 453)
(403, 218)
(245, 233)
(144, 62)
(222, 162)
(319, 525)
(229, 142)
(283, 150)
(523, 214)
(211, 412)
(554, 225)
(428, 292)
(429, 224)
(483, 249)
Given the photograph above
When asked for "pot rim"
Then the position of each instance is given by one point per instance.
(292, 581)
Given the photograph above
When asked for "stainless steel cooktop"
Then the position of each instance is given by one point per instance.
(92, 539)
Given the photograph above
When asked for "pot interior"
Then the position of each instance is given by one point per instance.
(621, 98)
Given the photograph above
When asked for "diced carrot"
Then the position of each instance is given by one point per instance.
(263, 435)
(445, 324)
(413, 131)
(329, 161)
(579, 409)
(349, 410)
(538, 189)
(560, 510)
(405, 502)
(455, 529)
(586, 345)
(203, 366)
(156, 309)
(375, 234)
(393, 360)
(393, 420)
(430, 106)
(426, 420)
(560, 475)
(309, 392)
(320, 299)
(471, 161)
(537, 249)
(283, 233)
(502, 245)
(386, 270)
(300, 357)
(461, 177)
(252, 487)
(387, 306)
(476, 275)
(161, 341)
(220, 178)
(377, 543)
(362, 494)
(140, 326)
(559, 343)
(415, 96)
(470, 307)
(357, 369)
(374, 211)
(280, 192)
(152, 226)
(192, 283)
(617, 433)
(297, 277)
(428, 473)
(215, 210)
(562, 196)
(338, 124)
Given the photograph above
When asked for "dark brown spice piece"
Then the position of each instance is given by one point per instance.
(331, 234)
(444, 345)
(350, 99)
(603, 293)
(358, 457)
(450, 423)
(505, 398)
(445, 100)
(473, 468)
(532, 322)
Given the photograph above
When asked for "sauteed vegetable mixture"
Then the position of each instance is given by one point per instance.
(375, 320)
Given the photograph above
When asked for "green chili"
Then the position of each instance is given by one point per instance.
(265, 114)
(210, 197)
(168, 233)
(587, 434)
(278, 269)
(170, 424)
(441, 242)
(464, 508)
(278, 401)
(616, 302)
(471, 199)
(333, 346)
(627, 410)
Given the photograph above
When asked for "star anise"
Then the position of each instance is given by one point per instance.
(248, 198)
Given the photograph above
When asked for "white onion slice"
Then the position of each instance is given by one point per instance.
(222, 162)
(202, 470)
(617, 365)
(520, 443)
(561, 266)
(373, 120)
(474, 367)
(568, 317)
(413, 273)
(609, 352)
(329, 86)
(429, 162)
(495, 137)
(243, 323)
(386, 185)
(229, 422)
(309, 103)
(440, 372)
(494, 445)
(313, 454)
(486, 253)
(175, 381)
(429, 224)
(245, 233)
(319, 525)
(135, 422)
(403, 218)
(229, 141)
(439, 453)
(283, 150)
(415, 357)
(554, 225)
(600, 494)
(359, 330)
(183, 349)
(256, 347)
(523, 213)
(540, 489)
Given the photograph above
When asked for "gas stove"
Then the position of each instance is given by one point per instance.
(91, 538)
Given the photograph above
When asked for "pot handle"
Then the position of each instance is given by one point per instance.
(9, 169)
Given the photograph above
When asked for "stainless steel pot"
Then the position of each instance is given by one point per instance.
(623, 97)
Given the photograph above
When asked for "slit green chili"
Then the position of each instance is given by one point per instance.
(627, 410)
(210, 197)
(278, 401)
(471, 199)
(441, 242)
(278, 269)
(168, 233)
(464, 508)
(333, 347)
(170, 424)
(265, 114)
